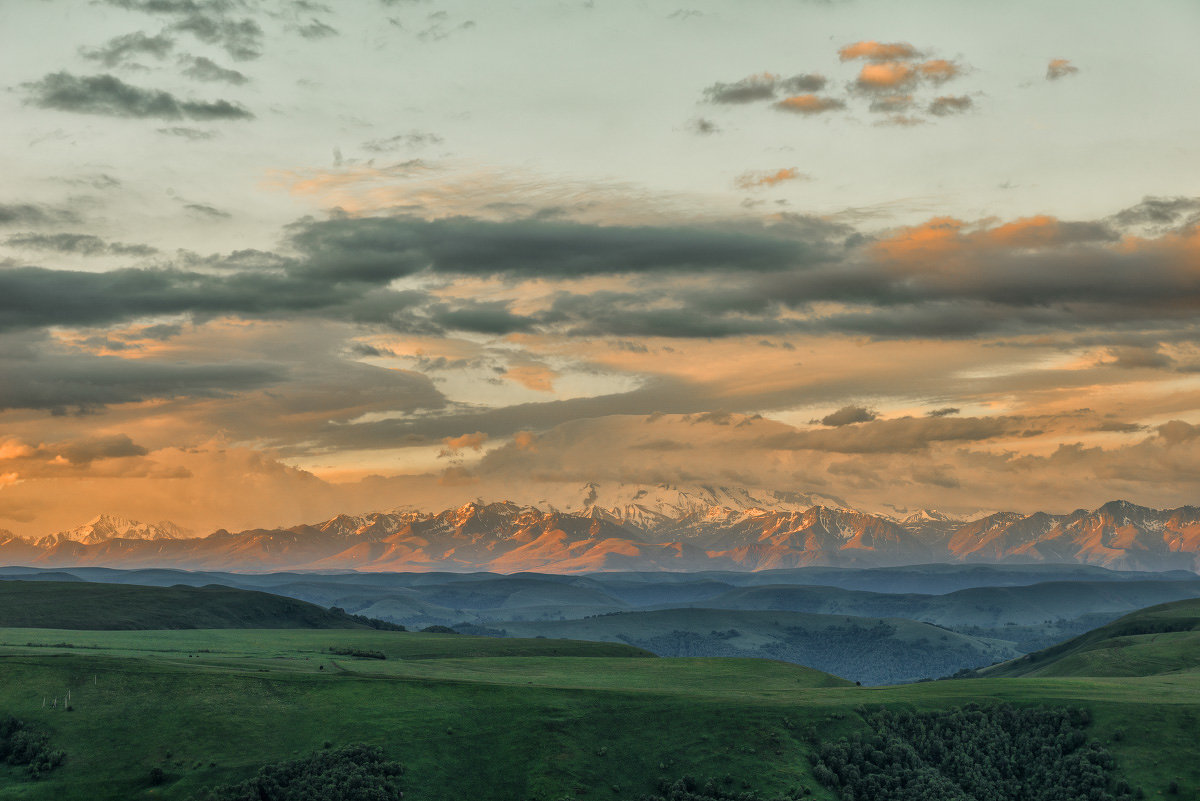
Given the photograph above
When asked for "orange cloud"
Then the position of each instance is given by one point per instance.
(456, 444)
(887, 75)
(754, 180)
(9, 479)
(525, 441)
(1059, 68)
(532, 376)
(937, 242)
(939, 70)
(14, 449)
(809, 104)
(878, 51)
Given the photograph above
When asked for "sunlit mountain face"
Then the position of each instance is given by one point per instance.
(669, 530)
(597, 286)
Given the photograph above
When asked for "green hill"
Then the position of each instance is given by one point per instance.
(84, 605)
(170, 714)
(1163, 639)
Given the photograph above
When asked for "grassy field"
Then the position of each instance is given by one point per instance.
(492, 719)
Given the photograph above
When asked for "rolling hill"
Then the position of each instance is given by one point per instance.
(85, 605)
(1160, 640)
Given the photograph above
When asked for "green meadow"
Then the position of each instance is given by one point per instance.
(487, 718)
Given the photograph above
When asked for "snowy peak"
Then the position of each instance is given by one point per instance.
(104, 527)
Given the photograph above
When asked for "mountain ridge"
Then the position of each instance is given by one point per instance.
(681, 534)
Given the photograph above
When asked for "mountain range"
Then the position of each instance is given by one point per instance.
(662, 528)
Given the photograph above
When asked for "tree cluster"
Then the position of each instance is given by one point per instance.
(690, 789)
(351, 773)
(22, 745)
(971, 753)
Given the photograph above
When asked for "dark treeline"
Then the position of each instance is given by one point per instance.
(972, 754)
(352, 773)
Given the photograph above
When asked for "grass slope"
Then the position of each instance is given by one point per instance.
(1159, 640)
(84, 605)
(493, 719)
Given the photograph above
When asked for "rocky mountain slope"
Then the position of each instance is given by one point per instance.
(720, 530)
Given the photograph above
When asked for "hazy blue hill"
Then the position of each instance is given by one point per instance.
(94, 606)
(870, 650)
(986, 607)
(1162, 639)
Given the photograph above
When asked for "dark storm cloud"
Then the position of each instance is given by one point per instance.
(848, 415)
(34, 214)
(947, 105)
(110, 96)
(120, 49)
(241, 39)
(1161, 211)
(904, 434)
(747, 90)
(798, 274)
(205, 69)
(211, 21)
(82, 244)
(62, 382)
(85, 451)
(805, 82)
(383, 249)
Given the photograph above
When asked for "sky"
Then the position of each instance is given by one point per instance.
(265, 261)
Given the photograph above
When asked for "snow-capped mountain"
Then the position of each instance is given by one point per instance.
(663, 528)
(103, 528)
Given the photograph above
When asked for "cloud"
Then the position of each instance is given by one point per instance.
(878, 51)
(34, 214)
(241, 39)
(887, 76)
(194, 134)
(205, 210)
(1059, 68)
(120, 49)
(315, 29)
(947, 105)
(895, 436)
(110, 96)
(82, 244)
(205, 69)
(803, 83)
(538, 378)
(809, 105)
(747, 90)
(702, 126)
(848, 415)
(410, 140)
(758, 179)
(943, 412)
(52, 380)
(1162, 212)
(892, 104)
(938, 71)
(455, 445)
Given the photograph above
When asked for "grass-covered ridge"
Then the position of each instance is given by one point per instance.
(114, 607)
(1159, 640)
